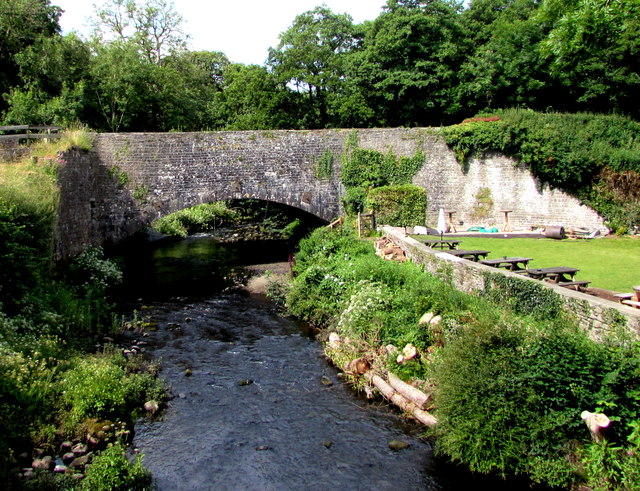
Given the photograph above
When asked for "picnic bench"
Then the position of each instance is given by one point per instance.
(628, 299)
(471, 255)
(510, 263)
(580, 285)
(441, 243)
(558, 274)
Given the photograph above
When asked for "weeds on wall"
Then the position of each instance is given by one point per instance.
(324, 165)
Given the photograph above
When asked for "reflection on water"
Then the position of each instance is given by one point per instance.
(193, 267)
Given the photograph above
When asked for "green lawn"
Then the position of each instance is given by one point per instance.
(612, 263)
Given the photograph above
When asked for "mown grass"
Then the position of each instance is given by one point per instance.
(612, 263)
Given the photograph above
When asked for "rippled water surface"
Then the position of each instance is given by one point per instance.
(255, 413)
(251, 408)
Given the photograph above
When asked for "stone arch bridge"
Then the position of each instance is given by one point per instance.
(129, 180)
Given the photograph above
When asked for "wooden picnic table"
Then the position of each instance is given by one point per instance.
(510, 263)
(558, 274)
(441, 243)
(472, 255)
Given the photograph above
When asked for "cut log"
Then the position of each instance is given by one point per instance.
(597, 424)
(358, 366)
(426, 318)
(334, 340)
(408, 391)
(390, 393)
(409, 351)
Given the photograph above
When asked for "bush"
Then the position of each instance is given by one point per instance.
(111, 471)
(400, 206)
(510, 397)
(99, 387)
(195, 219)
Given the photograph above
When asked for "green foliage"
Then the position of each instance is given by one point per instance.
(311, 56)
(509, 400)
(99, 387)
(524, 297)
(195, 219)
(483, 205)
(324, 166)
(354, 200)
(370, 169)
(402, 205)
(110, 470)
(608, 467)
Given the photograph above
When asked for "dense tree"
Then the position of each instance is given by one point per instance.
(505, 68)
(22, 23)
(409, 61)
(253, 99)
(594, 48)
(311, 58)
(53, 72)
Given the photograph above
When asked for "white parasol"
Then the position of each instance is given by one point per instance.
(442, 226)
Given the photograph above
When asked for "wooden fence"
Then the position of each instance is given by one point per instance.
(28, 132)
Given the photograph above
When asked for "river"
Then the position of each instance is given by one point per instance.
(255, 405)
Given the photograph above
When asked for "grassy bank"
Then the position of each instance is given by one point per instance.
(54, 385)
(508, 389)
(608, 262)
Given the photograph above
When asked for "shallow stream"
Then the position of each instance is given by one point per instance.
(256, 406)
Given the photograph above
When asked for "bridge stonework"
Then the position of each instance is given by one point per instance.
(129, 180)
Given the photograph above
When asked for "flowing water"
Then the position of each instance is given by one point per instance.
(255, 405)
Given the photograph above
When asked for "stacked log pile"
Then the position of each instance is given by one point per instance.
(389, 250)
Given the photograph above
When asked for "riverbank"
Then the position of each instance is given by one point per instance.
(494, 409)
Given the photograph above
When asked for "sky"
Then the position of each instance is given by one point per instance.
(242, 29)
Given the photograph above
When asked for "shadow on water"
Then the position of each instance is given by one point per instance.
(255, 406)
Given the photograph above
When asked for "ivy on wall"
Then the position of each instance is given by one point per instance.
(400, 206)
(592, 157)
(382, 182)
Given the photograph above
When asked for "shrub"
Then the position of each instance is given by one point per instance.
(112, 471)
(99, 387)
(509, 398)
(195, 219)
(402, 206)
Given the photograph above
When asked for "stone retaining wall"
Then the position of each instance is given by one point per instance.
(600, 318)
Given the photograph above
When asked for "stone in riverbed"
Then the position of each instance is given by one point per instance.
(68, 457)
(79, 449)
(81, 461)
(45, 463)
(151, 406)
(398, 445)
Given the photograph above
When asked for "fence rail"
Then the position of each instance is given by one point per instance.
(40, 132)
